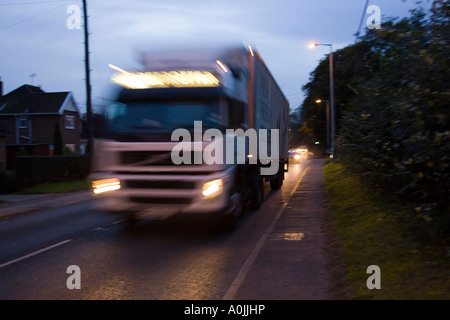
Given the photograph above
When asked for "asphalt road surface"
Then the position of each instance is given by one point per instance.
(275, 253)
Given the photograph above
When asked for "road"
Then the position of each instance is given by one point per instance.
(274, 254)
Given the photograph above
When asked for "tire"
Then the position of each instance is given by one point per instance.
(277, 182)
(258, 193)
(229, 221)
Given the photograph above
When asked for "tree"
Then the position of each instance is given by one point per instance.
(294, 126)
(99, 121)
(395, 131)
(392, 106)
(348, 77)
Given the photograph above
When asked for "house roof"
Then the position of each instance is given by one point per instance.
(30, 99)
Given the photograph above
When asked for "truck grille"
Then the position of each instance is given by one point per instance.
(146, 184)
(153, 158)
(161, 200)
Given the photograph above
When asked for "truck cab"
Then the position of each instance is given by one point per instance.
(157, 156)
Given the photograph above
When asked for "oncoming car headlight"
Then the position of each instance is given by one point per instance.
(105, 185)
(212, 188)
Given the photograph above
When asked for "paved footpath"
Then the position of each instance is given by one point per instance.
(292, 263)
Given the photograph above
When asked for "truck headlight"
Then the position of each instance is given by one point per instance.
(212, 188)
(105, 185)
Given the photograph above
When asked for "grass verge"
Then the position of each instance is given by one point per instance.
(373, 231)
(58, 187)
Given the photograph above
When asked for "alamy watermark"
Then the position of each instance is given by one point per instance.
(74, 280)
(374, 20)
(74, 20)
(373, 281)
(236, 147)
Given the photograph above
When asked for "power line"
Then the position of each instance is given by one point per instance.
(31, 18)
(362, 19)
(26, 3)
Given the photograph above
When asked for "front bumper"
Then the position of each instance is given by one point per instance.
(159, 197)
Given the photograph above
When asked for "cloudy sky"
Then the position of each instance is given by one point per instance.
(35, 39)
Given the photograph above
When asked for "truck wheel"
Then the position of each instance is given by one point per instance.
(258, 194)
(229, 221)
(277, 182)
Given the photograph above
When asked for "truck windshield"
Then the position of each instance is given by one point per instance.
(166, 116)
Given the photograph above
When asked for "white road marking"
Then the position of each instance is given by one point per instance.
(34, 253)
(240, 277)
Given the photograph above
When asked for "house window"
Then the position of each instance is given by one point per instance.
(23, 122)
(69, 122)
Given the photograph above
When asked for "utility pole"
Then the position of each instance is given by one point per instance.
(88, 83)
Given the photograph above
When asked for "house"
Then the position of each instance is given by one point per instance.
(30, 115)
(3, 134)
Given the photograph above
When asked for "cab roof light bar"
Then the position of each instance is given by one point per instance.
(165, 79)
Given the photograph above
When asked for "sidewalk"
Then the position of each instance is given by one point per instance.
(292, 263)
(18, 204)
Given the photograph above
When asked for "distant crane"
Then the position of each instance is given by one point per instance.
(32, 78)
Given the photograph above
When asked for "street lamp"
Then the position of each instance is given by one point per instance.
(332, 110)
(318, 101)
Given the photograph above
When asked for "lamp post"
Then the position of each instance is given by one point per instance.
(332, 110)
(327, 121)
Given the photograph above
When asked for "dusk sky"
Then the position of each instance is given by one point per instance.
(35, 38)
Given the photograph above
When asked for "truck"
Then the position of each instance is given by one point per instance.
(194, 131)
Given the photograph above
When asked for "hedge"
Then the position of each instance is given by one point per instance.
(32, 170)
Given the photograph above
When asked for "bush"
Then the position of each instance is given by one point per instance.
(395, 132)
(7, 181)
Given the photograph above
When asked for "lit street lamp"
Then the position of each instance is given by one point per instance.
(332, 110)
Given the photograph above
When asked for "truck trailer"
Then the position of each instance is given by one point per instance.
(193, 132)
